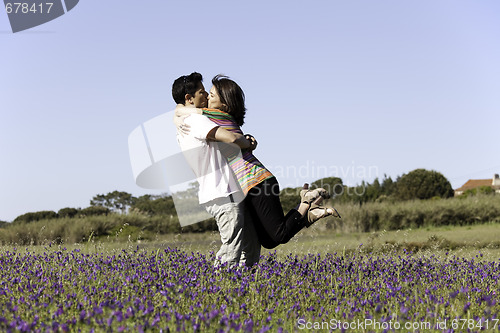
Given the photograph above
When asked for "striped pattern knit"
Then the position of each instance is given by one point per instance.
(248, 169)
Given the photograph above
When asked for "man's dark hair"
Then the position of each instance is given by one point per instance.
(232, 96)
(186, 84)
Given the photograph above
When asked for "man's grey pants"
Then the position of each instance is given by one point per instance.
(240, 245)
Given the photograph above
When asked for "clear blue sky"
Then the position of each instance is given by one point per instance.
(376, 87)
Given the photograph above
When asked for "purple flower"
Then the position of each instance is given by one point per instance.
(467, 306)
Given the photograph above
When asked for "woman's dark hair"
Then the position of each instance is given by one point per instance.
(232, 96)
(186, 84)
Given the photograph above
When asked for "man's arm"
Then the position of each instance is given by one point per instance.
(217, 133)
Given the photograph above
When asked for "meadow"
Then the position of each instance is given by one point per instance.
(356, 218)
(429, 279)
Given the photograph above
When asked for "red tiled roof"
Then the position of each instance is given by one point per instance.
(473, 183)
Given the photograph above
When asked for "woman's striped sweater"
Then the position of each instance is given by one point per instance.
(248, 169)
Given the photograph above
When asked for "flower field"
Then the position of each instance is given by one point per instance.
(169, 290)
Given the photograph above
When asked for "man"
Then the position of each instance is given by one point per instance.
(219, 190)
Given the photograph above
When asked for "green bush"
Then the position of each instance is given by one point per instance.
(94, 211)
(36, 216)
(290, 198)
(111, 227)
(486, 190)
(423, 184)
(333, 185)
(100, 224)
(67, 212)
(419, 213)
(154, 205)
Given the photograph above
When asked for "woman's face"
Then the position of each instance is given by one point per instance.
(214, 99)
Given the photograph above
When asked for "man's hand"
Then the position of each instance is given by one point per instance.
(253, 142)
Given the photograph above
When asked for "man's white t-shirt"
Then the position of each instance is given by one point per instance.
(215, 176)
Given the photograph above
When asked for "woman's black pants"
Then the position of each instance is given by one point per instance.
(272, 226)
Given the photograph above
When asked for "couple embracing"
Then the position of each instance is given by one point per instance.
(234, 186)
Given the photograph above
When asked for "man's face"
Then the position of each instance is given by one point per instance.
(199, 100)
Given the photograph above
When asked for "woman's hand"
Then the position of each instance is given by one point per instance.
(181, 126)
(253, 142)
(181, 110)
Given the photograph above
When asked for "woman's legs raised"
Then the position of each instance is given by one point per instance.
(272, 226)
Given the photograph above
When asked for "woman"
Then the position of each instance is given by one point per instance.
(226, 107)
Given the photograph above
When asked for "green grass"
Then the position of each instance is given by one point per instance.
(462, 241)
(387, 215)
(369, 217)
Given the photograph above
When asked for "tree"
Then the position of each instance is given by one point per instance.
(36, 216)
(94, 211)
(372, 191)
(67, 212)
(388, 187)
(114, 200)
(289, 198)
(155, 205)
(333, 185)
(423, 184)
